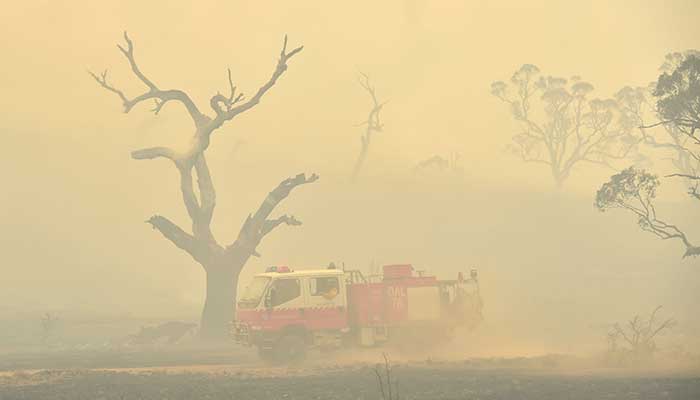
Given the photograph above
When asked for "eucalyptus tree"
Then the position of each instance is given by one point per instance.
(677, 103)
(561, 125)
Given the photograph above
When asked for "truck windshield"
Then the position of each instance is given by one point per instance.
(253, 293)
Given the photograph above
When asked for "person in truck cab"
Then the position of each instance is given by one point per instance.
(328, 287)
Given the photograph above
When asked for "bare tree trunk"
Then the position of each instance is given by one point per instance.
(222, 285)
(219, 304)
(361, 158)
(559, 177)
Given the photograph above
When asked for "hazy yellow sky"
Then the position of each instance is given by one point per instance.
(434, 60)
(74, 201)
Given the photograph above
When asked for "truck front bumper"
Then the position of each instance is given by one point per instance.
(247, 335)
(241, 333)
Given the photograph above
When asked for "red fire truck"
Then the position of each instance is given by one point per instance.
(284, 313)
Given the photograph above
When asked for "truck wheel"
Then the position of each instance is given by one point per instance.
(290, 348)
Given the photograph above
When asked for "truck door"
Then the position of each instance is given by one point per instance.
(285, 303)
(326, 303)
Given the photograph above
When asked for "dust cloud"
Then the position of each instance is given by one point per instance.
(554, 271)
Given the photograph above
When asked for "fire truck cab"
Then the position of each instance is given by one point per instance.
(284, 312)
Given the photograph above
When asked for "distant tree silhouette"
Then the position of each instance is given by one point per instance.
(437, 162)
(636, 340)
(665, 140)
(561, 125)
(373, 124)
(222, 263)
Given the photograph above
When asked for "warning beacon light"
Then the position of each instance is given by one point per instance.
(279, 269)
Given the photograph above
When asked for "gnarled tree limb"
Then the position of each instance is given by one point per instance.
(177, 236)
(258, 225)
(199, 210)
(161, 96)
(153, 152)
(204, 125)
(250, 103)
(269, 225)
(634, 190)
(228, 102)
(691, 177)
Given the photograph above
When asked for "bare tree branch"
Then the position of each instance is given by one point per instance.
(687, 123)
(153, 152)
(634, 190)
(176, 235)
(228, 102)
(258, 225)
(692, 177)
(129, 54)
(269, 225)
(161, 96)
(253, 101)
(388, 386)
(656, 124)
(102, 80)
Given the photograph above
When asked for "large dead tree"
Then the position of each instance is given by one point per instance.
(561, 126)
(222, 263)
(373, 124)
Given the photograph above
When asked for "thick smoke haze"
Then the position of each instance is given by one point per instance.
(553, 268)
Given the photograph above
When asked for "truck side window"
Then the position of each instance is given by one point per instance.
(324, 286)
(284, 290)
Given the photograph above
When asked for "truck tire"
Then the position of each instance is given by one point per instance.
(290, 348)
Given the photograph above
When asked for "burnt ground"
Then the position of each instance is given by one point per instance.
(509, 379)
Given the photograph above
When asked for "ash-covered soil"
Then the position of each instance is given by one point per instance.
(485, 379)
